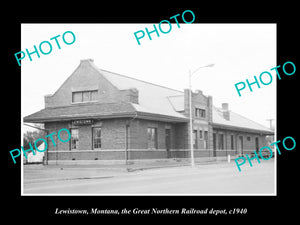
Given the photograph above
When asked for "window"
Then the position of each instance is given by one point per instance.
(256, 144)
(74, 138)
(152, 138)
(248, 138)
(201, 134)
(232, 142)
(93, 95)
(200, 112)
(96, 137)
(195, 141)
(168, 138)
(241, 144)
(221, 141)
(76, 97)
(84, 96)
(206, 139)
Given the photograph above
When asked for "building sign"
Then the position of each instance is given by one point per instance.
(82, 122)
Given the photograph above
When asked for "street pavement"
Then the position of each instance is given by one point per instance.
(218, 178)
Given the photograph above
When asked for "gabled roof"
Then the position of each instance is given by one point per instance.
(237, 121)
(177, 102)
(97, 111)
(80, 111)
(155, 102)
(153, 98)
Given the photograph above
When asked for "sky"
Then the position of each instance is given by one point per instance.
(238, 52)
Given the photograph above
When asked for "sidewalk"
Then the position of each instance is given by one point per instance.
(86, 169)
(131, 164)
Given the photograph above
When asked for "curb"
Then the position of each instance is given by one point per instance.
(66, 178)
(114, 171)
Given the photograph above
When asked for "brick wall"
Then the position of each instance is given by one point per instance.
(85, 137)
(200, 124)
(181, 136)
(138, 137)
(198, 101)
(85, 78)
(113, 131)
(248, 145)
(113, 134)
(55, 127)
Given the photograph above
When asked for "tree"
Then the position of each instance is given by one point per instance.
(31, 136)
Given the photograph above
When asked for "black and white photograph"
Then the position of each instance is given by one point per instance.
(185, 113)
(136, 112)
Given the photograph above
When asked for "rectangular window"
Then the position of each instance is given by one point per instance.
(199, 112)
(96, 137)
(256, 144)
(152, 138)
(168, 138)
(76, 97)
(94, 95)
(248, 138)
(241, 144)
(201, 134)
(195, 141)
(232, 142)
(206, 139)
(84, 96)
(74, 138)
(221, 141)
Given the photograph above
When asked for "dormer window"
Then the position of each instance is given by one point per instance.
(84, 96)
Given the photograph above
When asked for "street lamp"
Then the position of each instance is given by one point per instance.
(190, 108)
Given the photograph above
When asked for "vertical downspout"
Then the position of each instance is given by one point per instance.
(127, 137)
(126, 143)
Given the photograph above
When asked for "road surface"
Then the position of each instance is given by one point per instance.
(211, 179)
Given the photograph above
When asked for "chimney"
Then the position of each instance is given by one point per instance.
(86, 60)
(225, 106)
(226, 113)
(47, 100)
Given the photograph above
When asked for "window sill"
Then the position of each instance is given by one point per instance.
(76, 103)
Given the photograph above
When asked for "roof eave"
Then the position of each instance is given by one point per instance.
(217, 125)
(140, 115)
(161, 117)
(69, 118)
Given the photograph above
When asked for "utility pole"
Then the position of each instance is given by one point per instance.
(191, 113)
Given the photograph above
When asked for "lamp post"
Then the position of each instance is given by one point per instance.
(191, 115)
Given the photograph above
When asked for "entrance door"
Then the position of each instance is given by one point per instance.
(240, 145)
(214, 144)
(168, 141)
(256, 144)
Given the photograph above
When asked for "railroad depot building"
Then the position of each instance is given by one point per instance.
(112, 116)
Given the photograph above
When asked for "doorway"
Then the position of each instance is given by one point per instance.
(168, 141)
(241, 145)
(214, 145)
(256, 144)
